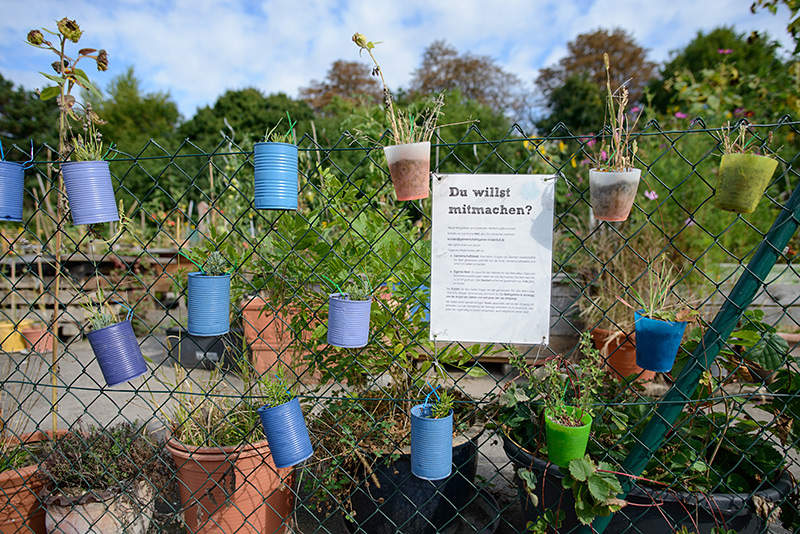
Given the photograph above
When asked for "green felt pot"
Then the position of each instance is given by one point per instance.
(743, 178)
(565, 443)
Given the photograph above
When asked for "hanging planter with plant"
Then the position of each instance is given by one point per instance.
(12, 185)
(744, 174)
(283, 422)
(567, 426)
(659, 327)
(349, 313)
(209, 299)
(114, 343)
(409, 159)
(613, 184)
(432, 437)
(275, 163)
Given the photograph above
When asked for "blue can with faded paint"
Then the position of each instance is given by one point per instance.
(287, 434)
(275, 176)
(348, 321)
(90, 192)
(12, 185)
(209, 304)
(118, 354)
(431, 444)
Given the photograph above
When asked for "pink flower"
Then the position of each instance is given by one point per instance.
(591, 142)
(724, 51)
(603, 155)
(635, 109)
(681, 115)
(652, 195)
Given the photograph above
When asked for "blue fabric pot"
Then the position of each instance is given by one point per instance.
(431, 444)
(118, 353)
(89, 191)
(657, 342)
(209, 304)
(348, 321)
(12, 184)
(275, 176)
(286, 433)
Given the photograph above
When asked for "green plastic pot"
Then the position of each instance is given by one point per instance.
(743, 178)
(565, 443)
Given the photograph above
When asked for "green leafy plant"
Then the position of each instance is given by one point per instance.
(99, 311)
(595, 488)
(405, 128)
(274, 136)
(89, 146)
(274, 390)
(104, 459)
(565, 381)
(443, 405)
(358, 288)
(658, 300)
(621, 150)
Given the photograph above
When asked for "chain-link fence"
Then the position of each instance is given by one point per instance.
(179, 444)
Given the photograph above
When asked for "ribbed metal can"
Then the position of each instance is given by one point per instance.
(12, 185)
(431, 444)
(348, 321)
(275, 176)
(90, 192)
(117, 351)
(209, 304)
(286, 433)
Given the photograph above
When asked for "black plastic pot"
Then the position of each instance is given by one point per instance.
(204, 352)
(649, 510)
(407, 504)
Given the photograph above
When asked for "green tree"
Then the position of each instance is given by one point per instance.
(629, 63)
(578, 104)
(478, 78)
(793, 26)
(249, 115)
(752, 54)
(24, 117)
(348, 80)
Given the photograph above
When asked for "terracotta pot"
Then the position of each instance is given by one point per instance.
(232, 489)
(38, 339)
(619, 349)
(121, 512)
(264, 329)
(20, 511)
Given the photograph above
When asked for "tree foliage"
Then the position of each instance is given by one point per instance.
(349, 80)
(751, 55)
(577, 103)
(477, 77)
(24, 117)
(248, 113)
(629, 63)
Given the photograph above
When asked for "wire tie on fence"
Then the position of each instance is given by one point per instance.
(433, 390)
(191, 260)
(339, 289)
(130, 310)
(555, 176)
(435, 175)
(28, 164)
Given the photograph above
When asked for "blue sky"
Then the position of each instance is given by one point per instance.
(196, 49)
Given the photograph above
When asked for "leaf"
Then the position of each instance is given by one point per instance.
(584, 512)
(768, 352)
(581, 468)
(599, 487)
(53, 78)
(84, 82)
(49, 92)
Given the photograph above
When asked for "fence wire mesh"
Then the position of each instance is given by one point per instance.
(728, 463)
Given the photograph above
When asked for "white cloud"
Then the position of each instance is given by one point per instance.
(196, 49)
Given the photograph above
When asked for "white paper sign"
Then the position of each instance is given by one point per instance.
(491, 258)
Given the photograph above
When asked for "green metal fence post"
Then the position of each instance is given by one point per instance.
(729, 315)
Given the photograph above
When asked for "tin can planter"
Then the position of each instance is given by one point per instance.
(657, 342)
(431, 444)
(12, 185)
(410, 168)
(286, 433)
(612, 193)
(89, 191)
(233, 489)
(348, 321)
(275, 176)
(743, 178)
(118, 353)
(209, 304)
(565, 443)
